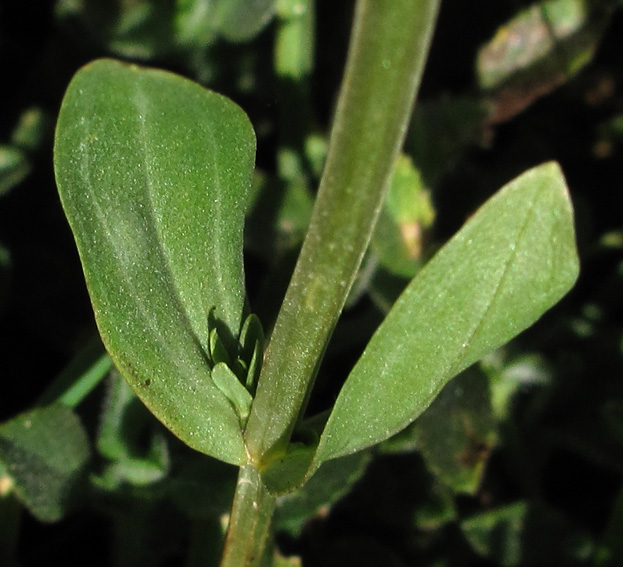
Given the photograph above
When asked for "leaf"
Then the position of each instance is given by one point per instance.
(456, 434)
(235, 391)
(525, 534)
(332, 481)
(90, 365)
(240, 20)
(129, 439)
(32, 130)
(539, 49)
(512, 261)
(509, 377)
(154, 172)
(528, 38)
(141, 29)
(441, 131)
(43, 451)
(407, 213)
(252, 349)
(14, 167)
(198, 21)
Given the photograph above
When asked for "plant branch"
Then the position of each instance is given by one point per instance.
(249, 525)
(388, 49)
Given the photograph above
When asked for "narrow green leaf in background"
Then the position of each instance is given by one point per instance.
(512, 261)
(154, 173)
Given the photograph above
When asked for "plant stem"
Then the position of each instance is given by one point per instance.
(249, 525)
(386, 57)
(87, 369)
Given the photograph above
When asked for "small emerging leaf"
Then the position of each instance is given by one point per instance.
(252, 349)
(218, 351)
(228, 383)
(512, 261)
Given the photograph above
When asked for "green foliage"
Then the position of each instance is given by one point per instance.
(398, 239)
(352, 441)
(147, 28)
(512, 260)
(154, 173)
(457, 433)
(521, 534)
(14, 167)
(42, 454)
(537, 30)
(332, 481)
(27, 136)
(122, 431)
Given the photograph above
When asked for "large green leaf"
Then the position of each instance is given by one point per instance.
(512, 260)
(153, 173)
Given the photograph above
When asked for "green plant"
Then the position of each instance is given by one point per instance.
(154, 174)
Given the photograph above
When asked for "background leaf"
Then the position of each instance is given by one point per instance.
(153, 173)
(398, 236)
(242, 19)
(44, 451)
(525, 534)
(539, 49)
(513, 260)
(326, 487)
(456, 434)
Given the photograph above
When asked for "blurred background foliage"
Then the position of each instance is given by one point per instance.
(518, 462)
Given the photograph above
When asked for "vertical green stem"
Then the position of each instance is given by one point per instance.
(386, 57)
(248, 533)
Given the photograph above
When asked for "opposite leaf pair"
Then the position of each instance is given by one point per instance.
(154, 173)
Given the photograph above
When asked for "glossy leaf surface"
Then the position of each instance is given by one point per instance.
(512, 260)
(153, 173)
